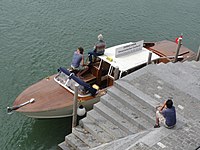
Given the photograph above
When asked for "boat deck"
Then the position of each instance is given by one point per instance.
(88, 77)
(167, 48)
(54, 92)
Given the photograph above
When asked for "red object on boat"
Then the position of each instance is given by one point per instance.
(177, 39)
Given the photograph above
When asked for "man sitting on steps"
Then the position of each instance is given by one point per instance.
(166, 114)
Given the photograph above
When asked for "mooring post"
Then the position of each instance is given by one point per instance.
(74, 119)
(178, 49)
(198, 54)
(149, 58)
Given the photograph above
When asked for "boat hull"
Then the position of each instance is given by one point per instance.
(60, 112)
(51, 100)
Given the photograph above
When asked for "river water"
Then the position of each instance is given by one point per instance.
(39, 36)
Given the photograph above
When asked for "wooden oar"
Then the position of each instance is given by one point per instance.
(10, 109)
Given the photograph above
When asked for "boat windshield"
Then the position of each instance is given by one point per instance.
(68, 83)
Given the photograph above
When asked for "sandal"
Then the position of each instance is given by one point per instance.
(156, 126)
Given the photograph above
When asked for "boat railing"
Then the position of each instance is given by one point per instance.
(67, 79)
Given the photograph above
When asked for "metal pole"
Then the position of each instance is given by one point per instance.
(74, 119)
(198, 54)
(178, 49)
(149, 58)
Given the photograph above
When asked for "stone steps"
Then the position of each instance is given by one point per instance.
(148, 138)
(124, 117)
(165, 90)
(186, 84)
(75, 142)
(122, 143)
(155, 135)
(146, 115)
(126, 112)
(183, 70)
(85, 136)
(162, 69)
(106, 124)
(136, 94)
(101, 135)
(192, 65)
(116, 119)
(65, 146)
(109, 121)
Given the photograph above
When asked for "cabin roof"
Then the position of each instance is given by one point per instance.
(128, 61)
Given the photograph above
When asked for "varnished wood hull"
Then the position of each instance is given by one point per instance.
(51, 100)
(59, 112)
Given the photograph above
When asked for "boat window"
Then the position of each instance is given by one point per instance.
(81, 89)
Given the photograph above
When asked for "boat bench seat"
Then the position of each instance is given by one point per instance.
(88, 77)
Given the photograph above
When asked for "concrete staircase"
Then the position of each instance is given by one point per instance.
(117, 115)
(124, 117)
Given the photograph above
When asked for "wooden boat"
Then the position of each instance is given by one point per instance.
(53, 96)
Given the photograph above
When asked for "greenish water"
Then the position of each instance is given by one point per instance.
(39, 36)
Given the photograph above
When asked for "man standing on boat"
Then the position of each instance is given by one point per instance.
(166, 114)
(78, 62)
(99, 48)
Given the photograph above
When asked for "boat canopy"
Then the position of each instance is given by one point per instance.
(127, 56)
(78, 80)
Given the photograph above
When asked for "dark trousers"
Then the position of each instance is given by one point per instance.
(92, 53)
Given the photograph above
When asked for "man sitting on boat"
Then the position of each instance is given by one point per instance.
(78, 62)
(99, 48)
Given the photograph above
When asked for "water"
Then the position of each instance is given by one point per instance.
(39, 36)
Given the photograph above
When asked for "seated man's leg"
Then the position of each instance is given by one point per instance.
(99, 54)
(90, 54)
(159, 118)
(73, 70)
(94, 54)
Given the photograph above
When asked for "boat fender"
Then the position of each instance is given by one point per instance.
(81, 111)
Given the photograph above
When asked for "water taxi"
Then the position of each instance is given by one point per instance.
(53, 96)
